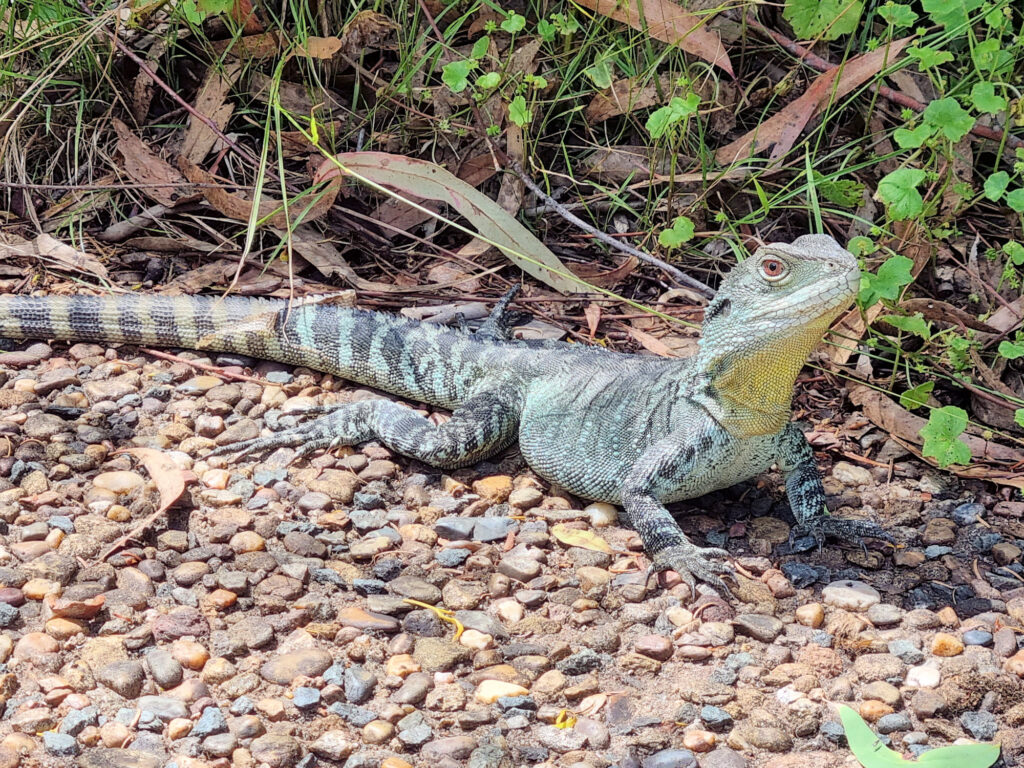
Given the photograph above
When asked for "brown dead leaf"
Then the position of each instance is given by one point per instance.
(144, 87)
(261, 46)
(629, 94)
(309, 206)
(295, 97)
(650, 343)
(906, 426)
(595, 274)
(244, 16)
(593, 314)
(782, 129)
(369, 30)
(159, 179)
(210, 101)
(666, 21)
(51, 252)
(575, 537)
(475, 171)
(592, 704)
(944, 312)
(169, 478)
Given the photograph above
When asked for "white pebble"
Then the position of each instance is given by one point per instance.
(601, 514)
(851, 595)
(925, 675)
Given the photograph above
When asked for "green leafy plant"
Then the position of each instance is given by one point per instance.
(942, 436)
(670, 116)
(681, 231)
(871, 753)
(898, 190)
(827, 19)
(887, 283)
(917, 397)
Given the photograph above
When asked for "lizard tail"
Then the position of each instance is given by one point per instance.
(163, 321)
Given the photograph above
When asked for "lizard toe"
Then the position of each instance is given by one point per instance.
(692, 562)
(843, 528)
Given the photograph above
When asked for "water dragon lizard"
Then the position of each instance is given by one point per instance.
(632, 430)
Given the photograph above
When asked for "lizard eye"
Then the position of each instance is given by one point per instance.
(773, 270)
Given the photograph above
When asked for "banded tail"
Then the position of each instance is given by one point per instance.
(423, 362)
(160, 321)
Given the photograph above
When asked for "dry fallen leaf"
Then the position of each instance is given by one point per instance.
(309, 206)
(651, 343)
(851, 327)
(575, 537)
(52, 252)
(210, 101)
(168, 476)
(782, 129)
(670, 23)
(426, 180)
(158, 179)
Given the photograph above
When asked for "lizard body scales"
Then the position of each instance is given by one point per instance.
(636, 431)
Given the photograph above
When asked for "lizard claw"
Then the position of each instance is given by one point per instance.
(692, 562)
(307, 437)
(841, 528)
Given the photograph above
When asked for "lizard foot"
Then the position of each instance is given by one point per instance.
(308, 437)
(692, 562)
(841, 528)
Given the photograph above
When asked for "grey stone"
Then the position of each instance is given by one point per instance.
(671, 758)
(359, 684)
(166, 672)
(60, 744)
(165, 708)
(210, 722)
(76, 720)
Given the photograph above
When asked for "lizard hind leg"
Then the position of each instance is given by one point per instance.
(485, 424)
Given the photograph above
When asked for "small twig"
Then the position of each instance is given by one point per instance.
(897, 97)
(205, 367)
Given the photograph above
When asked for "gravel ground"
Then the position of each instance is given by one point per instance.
(266, 618)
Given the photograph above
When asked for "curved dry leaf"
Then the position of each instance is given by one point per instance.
(782, 129)
(666, 21)
(906, 426)
(574, 537)
(210, 101)
(51, 252)
(429, 181)
(157, 178)
(168, 476)
(368, 30)
(591, 705)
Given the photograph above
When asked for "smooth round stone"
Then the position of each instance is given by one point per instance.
(378, 732)
(601, 514)
(977, 637)
(489, 691)
(851, 595)
(923, 676)
(120, 482)
(885, 615)
(282, 669)
(894, 722)
(670, 758)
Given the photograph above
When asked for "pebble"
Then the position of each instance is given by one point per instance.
(850, 595)
(284, 668)
(277, 750)
(489, 691)
(670, 758)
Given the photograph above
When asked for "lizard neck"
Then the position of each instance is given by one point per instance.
(751, 385)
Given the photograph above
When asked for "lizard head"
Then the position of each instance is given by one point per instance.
(769, 314)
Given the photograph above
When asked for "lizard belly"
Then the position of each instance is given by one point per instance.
(586, 436)
(726, 464)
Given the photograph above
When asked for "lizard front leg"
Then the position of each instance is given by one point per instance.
(807, 495)
(660, 470)
(483, 425)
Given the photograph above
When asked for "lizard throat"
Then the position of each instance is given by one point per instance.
(754, 384)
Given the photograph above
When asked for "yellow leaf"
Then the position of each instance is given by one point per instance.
(577, 538)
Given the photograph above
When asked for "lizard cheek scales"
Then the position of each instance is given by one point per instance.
(627, 429)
